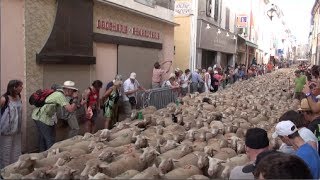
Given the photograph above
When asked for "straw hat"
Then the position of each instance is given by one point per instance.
(69, 85)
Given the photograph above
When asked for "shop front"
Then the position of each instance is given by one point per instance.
(214, 46)
(78, 40)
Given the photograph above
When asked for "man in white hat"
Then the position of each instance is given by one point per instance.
(43, 116)
(131, 86)
(63, 114)
(289, 134)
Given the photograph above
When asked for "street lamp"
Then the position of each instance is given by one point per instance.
(272, 12)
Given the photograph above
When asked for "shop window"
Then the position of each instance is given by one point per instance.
(227, 19)
(209, 8)
(216, 10)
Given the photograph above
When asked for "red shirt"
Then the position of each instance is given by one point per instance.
(93, 98)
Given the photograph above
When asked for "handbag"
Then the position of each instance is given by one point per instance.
(132, 101)
(8, 126)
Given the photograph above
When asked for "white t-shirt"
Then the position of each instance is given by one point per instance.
(184, 80)
(306, 135)
(236, 173)
(167, 84)
(129, 86)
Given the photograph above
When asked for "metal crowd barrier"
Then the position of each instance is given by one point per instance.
(159, 97)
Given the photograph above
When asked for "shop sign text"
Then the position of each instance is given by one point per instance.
(126, 29)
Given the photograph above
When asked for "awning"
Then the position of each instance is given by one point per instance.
(249, 43)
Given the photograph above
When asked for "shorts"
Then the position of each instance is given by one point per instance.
(94, 116)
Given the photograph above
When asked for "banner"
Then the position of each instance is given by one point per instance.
(242, 21)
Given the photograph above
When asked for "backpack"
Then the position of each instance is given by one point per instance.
(38, 98)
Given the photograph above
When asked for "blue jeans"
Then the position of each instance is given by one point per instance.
(46, 135)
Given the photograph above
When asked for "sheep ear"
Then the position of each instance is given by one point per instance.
(156, 152)
(103, 165)
(72, 171)
(33, 158)
(147, 138)
(175, 160)
(154, 165)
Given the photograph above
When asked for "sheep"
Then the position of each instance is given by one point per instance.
(93, 166)
(214, 166)
(141, 142)
(183, 172)
(149, 155)
(99, 176)
(177, 152)
(128, 161)
(198, 177)
(65, 173)
(149, 173)
(128, 174)
(67, 142)
(38, 173)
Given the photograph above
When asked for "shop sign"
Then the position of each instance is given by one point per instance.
(183, 8)
(126, 29)
(242, 21)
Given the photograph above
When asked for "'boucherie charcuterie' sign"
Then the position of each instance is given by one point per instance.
(127, 29)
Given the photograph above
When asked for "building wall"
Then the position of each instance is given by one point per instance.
(106, 61)
(182, 42)
(12, 56)
(106, 12)
(39, 19)
(157, 11)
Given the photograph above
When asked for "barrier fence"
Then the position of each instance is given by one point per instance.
(159, 97)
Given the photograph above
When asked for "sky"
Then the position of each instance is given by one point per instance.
(298, 17)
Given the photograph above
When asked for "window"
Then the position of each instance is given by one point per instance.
(209, 8)
(227, 19)
(216, 10)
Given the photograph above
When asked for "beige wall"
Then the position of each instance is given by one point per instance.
(12, 41)
(39, 19)
(12, 46)
(156, 12)
(106, 58)
(107, 12)
(182, 42)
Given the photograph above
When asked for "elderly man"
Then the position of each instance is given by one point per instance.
(289, 134)
(131, 86)
(43, 116)
(256, 141)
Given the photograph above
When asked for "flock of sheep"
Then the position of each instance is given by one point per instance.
(202, 138)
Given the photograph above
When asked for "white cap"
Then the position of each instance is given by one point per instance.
(284, 128)
(69, 85)
(177, 69)
(209, 68)
(215, 72)
(172, 75)
(133, 75)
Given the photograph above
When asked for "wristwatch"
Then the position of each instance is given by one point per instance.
(308, 94)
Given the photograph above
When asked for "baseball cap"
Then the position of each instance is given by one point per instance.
(133, 75)
(172, 75)
(304, 105)
(284, 128)
(251, 167)
(256, 138)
